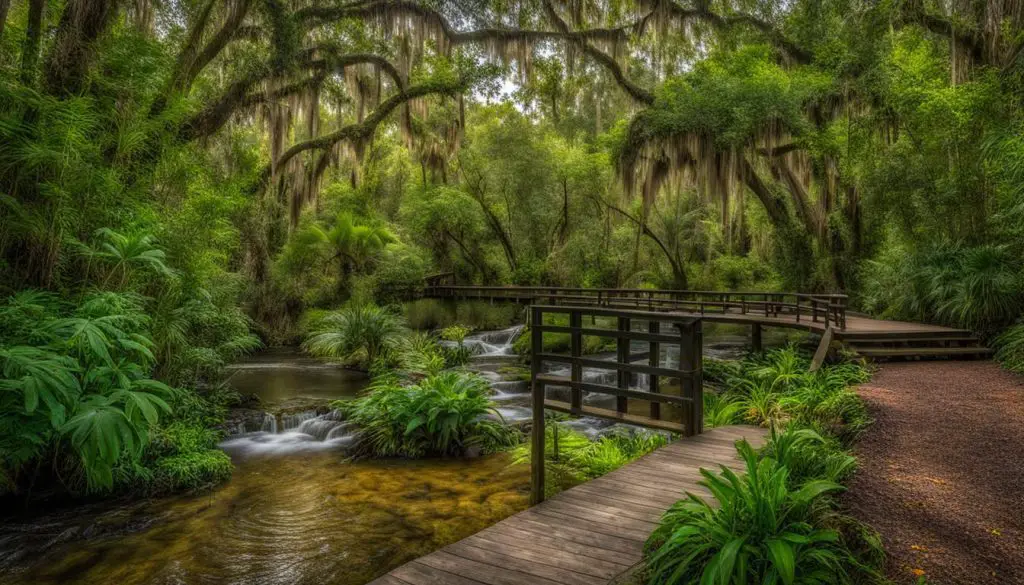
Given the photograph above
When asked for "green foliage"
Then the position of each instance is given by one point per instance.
(361, 333)
(979, 288)
(778, 388)
(1010, 348)
(456, 333)
(478, 315)
(571, 457)
(763, 530)
(441, 415)
(78, 375)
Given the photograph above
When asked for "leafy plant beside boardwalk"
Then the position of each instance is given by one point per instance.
(778, 522)
(442, 414)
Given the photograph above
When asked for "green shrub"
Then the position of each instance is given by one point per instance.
(571, 457)
(192, 470)
(980, 288)
(777, 388)
(361, 333)
(441, 415)
(1010, 348)
(764, 531)
(456, 333)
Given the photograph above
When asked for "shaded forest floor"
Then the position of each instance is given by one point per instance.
(942, 471)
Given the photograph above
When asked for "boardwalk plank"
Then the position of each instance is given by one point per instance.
(585, 535)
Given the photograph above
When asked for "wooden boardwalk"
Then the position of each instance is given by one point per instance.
(585, 535)
(869, 337)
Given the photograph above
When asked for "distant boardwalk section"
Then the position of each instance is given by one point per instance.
(585, 535)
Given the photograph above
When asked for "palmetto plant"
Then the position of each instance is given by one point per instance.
(363, 331)
(349, 243)
(124, 255)
(441, 415)
(763, 531)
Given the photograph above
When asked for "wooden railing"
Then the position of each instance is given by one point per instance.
(683, 400)
(828, 309)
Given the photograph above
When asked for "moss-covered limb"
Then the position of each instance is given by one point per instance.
(635, 91)
(365, 129)
(240, 95)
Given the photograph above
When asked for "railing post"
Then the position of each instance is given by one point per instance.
(654, 382)
(576, 349)
(537, 401)
(690, 362)
(622, 357)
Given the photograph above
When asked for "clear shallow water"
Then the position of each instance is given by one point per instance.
(285, 374)
(305, 518)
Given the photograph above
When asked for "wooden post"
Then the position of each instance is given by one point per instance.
(822, 351)
(576, 349)
(755, 338)
(654, 360)
(690, 361)
(537, 401)
(622, 376)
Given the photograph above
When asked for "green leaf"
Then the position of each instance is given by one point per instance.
(780, 553)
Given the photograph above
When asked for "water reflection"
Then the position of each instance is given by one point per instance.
(282, 374)
(307, 518)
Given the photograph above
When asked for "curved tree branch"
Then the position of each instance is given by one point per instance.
(365, 129)
(239, 95)
(638, 93)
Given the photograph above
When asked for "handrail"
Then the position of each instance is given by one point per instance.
(683, 331)
(829, 308)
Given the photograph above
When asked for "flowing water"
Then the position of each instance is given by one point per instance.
(296, 510)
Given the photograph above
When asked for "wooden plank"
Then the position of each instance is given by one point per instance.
(551, 527)
(482, 572)
(598, 513)
(594, 525)
(417, 573)
(563, 553)
(393, 580)
(468, 550)
(622, 417)
(586, 535)
(570, 539)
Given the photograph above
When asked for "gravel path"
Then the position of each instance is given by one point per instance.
(942, 472)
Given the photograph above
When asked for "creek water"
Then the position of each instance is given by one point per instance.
(296, 510)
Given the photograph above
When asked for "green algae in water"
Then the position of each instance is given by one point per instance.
(305, 519)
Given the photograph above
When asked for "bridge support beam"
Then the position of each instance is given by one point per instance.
(755, 337)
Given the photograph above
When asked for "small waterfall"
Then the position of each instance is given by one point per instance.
(493, 343)
(269, 423)
(301, 431)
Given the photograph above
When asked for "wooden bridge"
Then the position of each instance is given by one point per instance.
(596, 531)
(588, 534)
(816, 313)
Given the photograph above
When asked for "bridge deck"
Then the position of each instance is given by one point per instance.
(585, 535)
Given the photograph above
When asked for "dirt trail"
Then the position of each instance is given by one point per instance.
(942, 471)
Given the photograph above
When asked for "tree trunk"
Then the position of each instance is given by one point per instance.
(5, 5)
(33, 36)
(81, 24)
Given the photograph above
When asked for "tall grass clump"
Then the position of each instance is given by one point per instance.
(443, 414)
(571, 457)
(777, 388)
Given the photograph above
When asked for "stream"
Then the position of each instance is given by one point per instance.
(296, 510)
